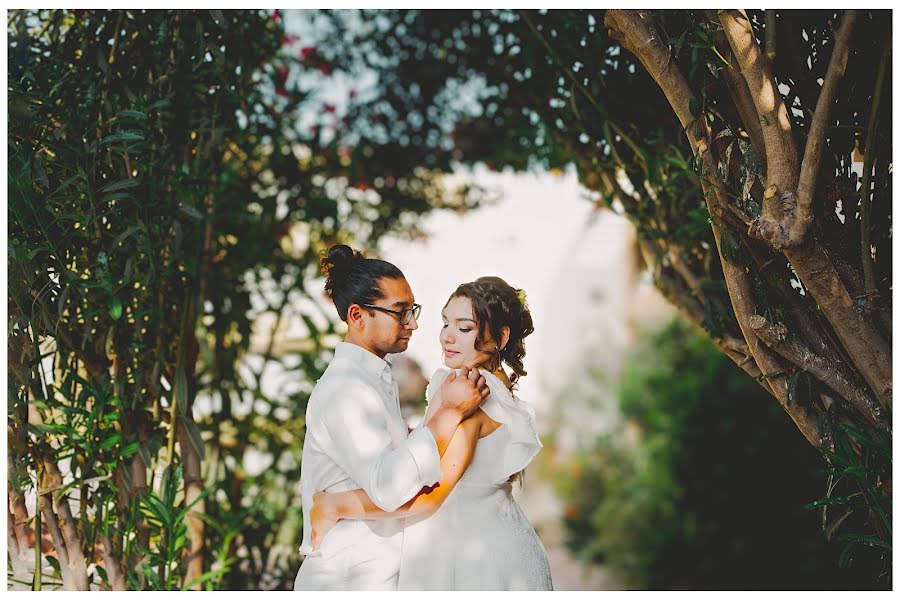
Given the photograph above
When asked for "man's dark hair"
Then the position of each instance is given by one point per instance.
(351, 278)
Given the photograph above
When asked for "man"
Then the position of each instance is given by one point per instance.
(355, 435)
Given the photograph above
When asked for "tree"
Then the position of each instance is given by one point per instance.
(733, 141)
(162, 196)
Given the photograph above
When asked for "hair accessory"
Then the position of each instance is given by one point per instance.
(521, 294)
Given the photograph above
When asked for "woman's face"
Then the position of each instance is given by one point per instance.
(459, 333)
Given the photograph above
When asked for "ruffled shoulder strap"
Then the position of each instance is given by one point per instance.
(517, 416)
(435, 384)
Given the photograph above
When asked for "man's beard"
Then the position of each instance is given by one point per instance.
(399, 345)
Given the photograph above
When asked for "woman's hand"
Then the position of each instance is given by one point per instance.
(321, 517)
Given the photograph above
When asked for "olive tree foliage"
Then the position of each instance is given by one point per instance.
(171, 182)
(752, 151)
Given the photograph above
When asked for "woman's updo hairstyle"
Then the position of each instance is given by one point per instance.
(351, 278)
(497, 304)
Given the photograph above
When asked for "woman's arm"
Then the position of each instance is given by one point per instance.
(329, 508)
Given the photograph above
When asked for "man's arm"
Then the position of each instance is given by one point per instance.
(329, 508)
(355, 418)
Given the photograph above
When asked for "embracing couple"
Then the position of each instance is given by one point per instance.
(431, 509)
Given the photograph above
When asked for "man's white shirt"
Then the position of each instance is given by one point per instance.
(356, 438)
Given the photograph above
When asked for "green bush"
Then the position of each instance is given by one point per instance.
(704, 485)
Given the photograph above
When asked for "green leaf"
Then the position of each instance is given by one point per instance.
(122, 184)
(190, 211)
(103, 576)
(792, 387)
(159, 510)
(833, 500)
(194, 437)
(115, 308)
(181, 390)
(694, 106)
(152, 577)
(123, 136)
(134, 114)
(864, 441)
(45, 428)
(110, 441)
(145, 455)
(204, 577)
(868, 540)
(128, 450)
(54, 563)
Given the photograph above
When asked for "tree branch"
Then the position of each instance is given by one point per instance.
(740, 93)
(779, 211)
(49, 521)
(17, 506)
(637, 33)
(815, 141)
(860, 338)
(114, 574)
(76, 561)
(18, 553)
(193, 487)
(776, 337)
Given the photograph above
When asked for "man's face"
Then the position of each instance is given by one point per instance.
(384, 333)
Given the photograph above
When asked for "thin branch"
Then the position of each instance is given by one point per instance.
(815, 141)
(868, 163)
(771, 31)
(735, 349)
(777, 338)
(534, 30)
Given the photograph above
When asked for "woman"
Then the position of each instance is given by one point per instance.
(467, 532)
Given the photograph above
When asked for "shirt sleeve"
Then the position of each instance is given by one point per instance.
(355, 418)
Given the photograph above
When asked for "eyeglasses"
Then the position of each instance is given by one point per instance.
(405, 315)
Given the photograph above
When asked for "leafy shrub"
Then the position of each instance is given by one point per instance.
(705, 484)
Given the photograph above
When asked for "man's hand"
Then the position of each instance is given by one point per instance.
(463, 393)
(320, 518)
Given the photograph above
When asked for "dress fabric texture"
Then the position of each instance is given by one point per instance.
(479, 538)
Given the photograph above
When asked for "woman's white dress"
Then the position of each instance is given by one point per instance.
(479, 538)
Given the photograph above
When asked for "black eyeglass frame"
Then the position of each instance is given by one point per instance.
(406, 316)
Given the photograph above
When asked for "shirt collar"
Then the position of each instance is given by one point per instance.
(370, 363)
